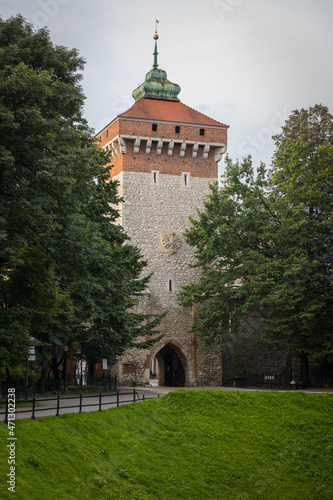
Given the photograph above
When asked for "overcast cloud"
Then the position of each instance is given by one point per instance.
(246, 63)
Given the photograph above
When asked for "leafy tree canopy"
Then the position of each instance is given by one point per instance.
(315, 125)
(266, 242)
(67, 270)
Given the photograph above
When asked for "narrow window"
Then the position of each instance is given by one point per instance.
(154, 177)
(170, 285)
(107, 133)
(202, 131)
(186, 178)
(154, 127)
(177, 129)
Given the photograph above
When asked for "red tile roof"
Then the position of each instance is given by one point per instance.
(168, 111)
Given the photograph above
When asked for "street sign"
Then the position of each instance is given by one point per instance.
(32, 353)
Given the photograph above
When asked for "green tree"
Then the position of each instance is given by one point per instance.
(314, 125)
(267, 243)
(67, 270)
(309, 178)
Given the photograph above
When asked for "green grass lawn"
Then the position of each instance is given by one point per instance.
(187, 445)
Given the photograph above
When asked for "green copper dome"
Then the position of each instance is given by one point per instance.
(156, 84)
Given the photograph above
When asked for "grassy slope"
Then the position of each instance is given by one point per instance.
(186, 445)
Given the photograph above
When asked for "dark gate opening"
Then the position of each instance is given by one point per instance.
(174, 373)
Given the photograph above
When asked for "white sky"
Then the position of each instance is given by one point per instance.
(246, 63)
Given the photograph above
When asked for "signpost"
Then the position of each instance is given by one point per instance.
(104, 367)
(31, 357)
(65, 367)
(32, 353)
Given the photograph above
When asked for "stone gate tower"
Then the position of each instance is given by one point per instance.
(165, 155)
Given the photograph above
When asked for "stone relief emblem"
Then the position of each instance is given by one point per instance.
(171, 241)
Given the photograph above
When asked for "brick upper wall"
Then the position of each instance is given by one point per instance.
(172, 165)
(165, 164)
(167, 131)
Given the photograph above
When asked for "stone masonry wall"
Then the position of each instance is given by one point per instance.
(151, 208)
(148, 209)
(247, 356)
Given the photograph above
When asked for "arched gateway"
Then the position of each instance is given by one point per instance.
(169, 366)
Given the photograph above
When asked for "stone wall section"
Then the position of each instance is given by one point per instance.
(247, 356)
(151, 208)
(148, 209)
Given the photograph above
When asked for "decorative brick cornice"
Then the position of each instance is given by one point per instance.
(118, 145)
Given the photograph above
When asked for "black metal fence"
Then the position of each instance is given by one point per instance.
(257, 380)
(273, 381)
(79, 402)
(105, 381)
(22, 391)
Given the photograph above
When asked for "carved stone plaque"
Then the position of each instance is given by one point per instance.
(171, 241)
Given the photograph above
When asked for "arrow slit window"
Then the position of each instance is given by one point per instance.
(186, 179)
(155, 177)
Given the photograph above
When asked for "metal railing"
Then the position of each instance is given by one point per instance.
(41, 404)
(24, 392)
(271, 380)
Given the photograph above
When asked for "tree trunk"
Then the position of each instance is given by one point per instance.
(91, 373)
(304, 375)
(9, 378)
(55, 367)
(326, 367)
(43, 374)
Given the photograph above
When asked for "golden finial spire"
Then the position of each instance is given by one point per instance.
(156, 35)
(155, 65)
